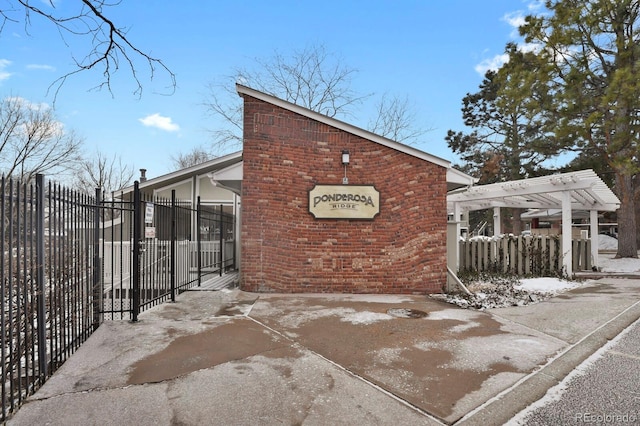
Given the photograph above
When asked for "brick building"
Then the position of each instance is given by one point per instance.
(304, 228)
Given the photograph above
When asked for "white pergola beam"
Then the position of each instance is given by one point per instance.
(588, 192)
(510, 190)
(596, 198)
(514, 203)
(542, 198)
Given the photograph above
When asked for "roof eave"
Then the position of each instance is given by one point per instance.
(244, 90)
(184, 172)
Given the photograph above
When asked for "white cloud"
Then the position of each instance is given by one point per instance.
(492, 64)
(25, 103)
(536, 5)
(54, 128)
(515, 19)
(497, 61)
(530, 47)
(160, 122)
(4, 74)
(40, 67)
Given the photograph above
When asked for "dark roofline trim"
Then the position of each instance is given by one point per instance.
(189, 171)
(244, 90)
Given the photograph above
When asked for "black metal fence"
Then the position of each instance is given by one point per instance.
(70, 260)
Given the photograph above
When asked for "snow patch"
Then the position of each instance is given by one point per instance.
(606, 242)
(608, 263)
(448, 314)
(365, 317)
(546, 285)
(464, 327)
(376, 298)
(298, 318)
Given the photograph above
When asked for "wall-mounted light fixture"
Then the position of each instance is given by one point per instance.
(345, 157)
(345, 162)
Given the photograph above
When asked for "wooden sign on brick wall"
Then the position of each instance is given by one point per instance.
(344, 201)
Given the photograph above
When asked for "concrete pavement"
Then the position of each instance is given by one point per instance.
(236, 358)
(602, 390)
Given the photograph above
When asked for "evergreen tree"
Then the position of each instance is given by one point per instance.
(592, 49)
(510, 119)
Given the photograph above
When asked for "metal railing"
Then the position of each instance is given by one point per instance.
(69, 260)
(46, 311)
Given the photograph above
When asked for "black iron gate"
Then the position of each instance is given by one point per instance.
(154, 248)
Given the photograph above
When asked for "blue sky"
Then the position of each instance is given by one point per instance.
(433, 51)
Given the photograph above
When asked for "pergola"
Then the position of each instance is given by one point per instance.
(582, 190)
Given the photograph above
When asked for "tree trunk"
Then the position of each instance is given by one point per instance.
(517, 221)
(636, 199)
(627, 245)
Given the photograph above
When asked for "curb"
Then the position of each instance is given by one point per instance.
(531, 388)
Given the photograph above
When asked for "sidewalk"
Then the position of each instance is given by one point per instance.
(235, 358)
(601, 390)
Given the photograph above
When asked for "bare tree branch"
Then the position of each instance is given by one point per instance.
(197, 155)
(224, 103)
(310, 77)
(33, 141)
(110, 45)
(395, 119)
(102, 171)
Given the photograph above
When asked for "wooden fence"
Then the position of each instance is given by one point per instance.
(523, 255)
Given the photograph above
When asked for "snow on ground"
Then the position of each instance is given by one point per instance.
(547, 285)
(606, 242)
(365, 317)
(495, 292)
(608, 263)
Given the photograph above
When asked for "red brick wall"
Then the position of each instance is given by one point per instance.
(285, 249)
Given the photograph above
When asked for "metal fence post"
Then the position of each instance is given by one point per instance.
(198, 245)
(137, 235)
(234, 224)
(40, 277)
(220, 226)
(174, 237)
(97, 267)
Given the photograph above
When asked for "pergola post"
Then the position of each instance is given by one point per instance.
(593, 228)
(453, 238)
(567, 252)
(497, 226)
